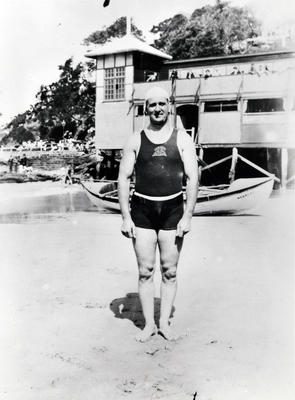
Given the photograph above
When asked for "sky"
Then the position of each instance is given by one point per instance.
(36, 36)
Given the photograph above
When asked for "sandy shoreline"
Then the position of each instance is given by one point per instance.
(70, 311)
(31, 189)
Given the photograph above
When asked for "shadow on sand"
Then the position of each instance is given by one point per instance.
(129, 307)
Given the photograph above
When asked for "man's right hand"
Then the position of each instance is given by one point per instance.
(128, 228)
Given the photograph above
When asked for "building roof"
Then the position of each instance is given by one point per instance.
(231, 58)
(127, 43)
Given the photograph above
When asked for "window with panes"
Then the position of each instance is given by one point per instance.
(114, 83)
(265, 105)
(221, 106)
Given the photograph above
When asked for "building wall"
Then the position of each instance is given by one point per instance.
(220, 127)
(291, 129)
(220, 87)
(264, 128)
(113, 125)
(142, 88)
(113, 119)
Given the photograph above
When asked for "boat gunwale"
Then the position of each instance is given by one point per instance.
(202, 199)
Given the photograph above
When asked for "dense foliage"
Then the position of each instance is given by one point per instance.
(210, 31)
(116, 30)
(68, 104)
(65, 106)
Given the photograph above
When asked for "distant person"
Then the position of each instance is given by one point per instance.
(174, 75)
(10, 163)
(190, 75)
(16, 164)
(103, 166)
(263, 70)
(207, 74)
(108, 167)
(68, 176)
(266, 70)
(23, 162)
(235, 71)
(253, 70)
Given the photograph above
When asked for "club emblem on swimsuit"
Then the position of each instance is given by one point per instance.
(160, 151)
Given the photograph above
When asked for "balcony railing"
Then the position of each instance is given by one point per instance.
(228, 86)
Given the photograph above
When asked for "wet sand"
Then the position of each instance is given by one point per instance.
(69, 309)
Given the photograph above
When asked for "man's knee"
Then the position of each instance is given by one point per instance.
(146, 272)
(169, 273)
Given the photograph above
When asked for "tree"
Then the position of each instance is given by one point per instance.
(21, 134)
(210, 31)
(70, 99)
(116, 30)
(170, 30)
(18, 130)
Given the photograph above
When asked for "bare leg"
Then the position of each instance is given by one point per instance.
(170, 248)
(145, 250)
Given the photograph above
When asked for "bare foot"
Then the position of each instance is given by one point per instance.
(146, 333)
(167, 333)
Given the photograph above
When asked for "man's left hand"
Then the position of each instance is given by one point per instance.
(184, 226)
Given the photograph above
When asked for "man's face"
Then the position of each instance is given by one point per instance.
(157, 110)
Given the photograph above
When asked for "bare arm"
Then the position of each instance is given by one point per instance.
(191, 171)
(125, 174)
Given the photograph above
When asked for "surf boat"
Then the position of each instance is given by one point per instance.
(239, 197)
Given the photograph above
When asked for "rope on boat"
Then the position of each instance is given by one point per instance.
(216, 162)
(259, 168)
(234, 157)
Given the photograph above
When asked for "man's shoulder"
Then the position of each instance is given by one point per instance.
(135, 137)
(183, 134)
(133, 140)
(184, 139)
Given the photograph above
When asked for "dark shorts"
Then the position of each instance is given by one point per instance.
(156, 215)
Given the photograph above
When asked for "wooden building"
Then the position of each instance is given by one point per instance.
(242, 101)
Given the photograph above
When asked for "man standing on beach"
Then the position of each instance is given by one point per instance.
(162, 157)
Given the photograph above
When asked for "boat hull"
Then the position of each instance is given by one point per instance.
(242, 196)
(93, 191)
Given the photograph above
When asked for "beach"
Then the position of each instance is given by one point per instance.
(70, 309)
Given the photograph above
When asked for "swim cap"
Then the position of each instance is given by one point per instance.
(156, 92)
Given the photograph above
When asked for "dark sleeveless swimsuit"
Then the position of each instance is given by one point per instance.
(159, 167)
(158, 172)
